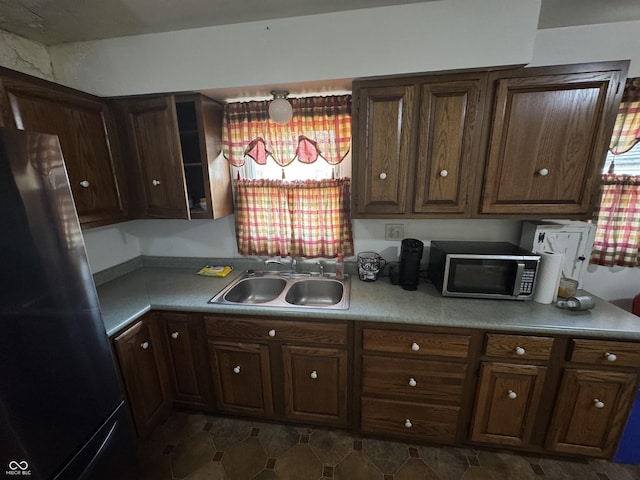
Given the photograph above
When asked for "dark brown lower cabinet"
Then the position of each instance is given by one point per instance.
(590, 412)
(142, 362)
(187, 360)
(507, 403)
(243, 377)
(315, 384)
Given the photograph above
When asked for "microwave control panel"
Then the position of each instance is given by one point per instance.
(528, 277)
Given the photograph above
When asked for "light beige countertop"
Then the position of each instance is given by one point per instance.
(172, 284)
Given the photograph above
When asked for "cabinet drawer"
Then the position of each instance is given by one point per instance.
(604, 352)
(518, 347)
(408, 419)
(440, 382)
(280, 330)
(416, 343)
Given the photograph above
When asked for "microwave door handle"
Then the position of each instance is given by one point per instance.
(518, 280)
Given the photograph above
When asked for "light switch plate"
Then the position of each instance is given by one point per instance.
(394, 231)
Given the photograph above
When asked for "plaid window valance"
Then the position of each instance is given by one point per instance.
(320, 127)
(626, 132)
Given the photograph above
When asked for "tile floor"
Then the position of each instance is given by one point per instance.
(196, 446)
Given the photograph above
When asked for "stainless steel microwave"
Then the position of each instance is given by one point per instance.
(498, 270)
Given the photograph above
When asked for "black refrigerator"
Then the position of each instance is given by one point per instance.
(62, 412)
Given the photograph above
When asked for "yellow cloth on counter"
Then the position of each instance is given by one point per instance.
(215, 271)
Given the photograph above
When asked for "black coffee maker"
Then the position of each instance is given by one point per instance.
(410, 256)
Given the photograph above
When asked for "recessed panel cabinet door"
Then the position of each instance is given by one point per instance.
(243, 376)
(548, 140)
(590, 412)
(315, 384)
(385, 118)
(83, 125)
(153, 127)
(507, 402)
(445, 157)
(141, 359)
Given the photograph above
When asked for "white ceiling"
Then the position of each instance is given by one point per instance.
(59, 21)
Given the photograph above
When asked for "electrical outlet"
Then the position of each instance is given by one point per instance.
(393, 231)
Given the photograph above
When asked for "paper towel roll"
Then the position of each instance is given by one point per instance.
(548, 277)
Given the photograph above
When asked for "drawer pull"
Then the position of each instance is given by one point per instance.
(412, 382)
(314, 375)
(85, 184)
(512, 395)
(415, 347)
(272, 332)
(597, 403)
(382, 176)
(407, 423)
(175, 335)
(443, 173)
(543, 172)
(612, 357)
(155, 182)
(520, 351)
(236, 369)
(144, 345)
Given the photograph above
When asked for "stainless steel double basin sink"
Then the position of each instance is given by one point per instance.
(296, 290)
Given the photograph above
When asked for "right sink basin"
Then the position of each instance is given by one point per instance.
(316, 292)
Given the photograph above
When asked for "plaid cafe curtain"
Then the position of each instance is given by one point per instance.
(301, 218)
(617, 239)
(309, 218)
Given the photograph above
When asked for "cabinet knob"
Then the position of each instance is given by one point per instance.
(175, 335)
(314, 375)
(382, 176)
(512, 395)
(520, 351)
(272, 332)
(543, 172)
(407, 423)
(236, 369)
(85, 183)
(415, 347)
(597, 403)
(155, 182)
(612, 357)
(443, 173)
(144, 345)
(412, 382)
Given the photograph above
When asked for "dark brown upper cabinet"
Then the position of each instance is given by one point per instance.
(176, 143)
(548, 131)
(415, 141)
(84, 125)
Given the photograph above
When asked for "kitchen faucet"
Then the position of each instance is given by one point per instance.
(293, 264)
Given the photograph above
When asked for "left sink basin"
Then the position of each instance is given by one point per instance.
(256, 290)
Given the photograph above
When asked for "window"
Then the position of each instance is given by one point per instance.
(292, 182)
(617, 239)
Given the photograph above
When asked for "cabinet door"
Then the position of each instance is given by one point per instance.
(242, 376)
(83, 125)
(446, 134)
(156, 143)
(384, 136)
(315, 384)
(141, 358)
(188, 366)
(548, 140)
(507, 403)
(590, 412)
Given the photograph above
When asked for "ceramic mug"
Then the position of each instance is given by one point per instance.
(369, 265)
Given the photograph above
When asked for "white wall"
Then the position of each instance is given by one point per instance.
(111, 245)
(445, 34)
(18, 53)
